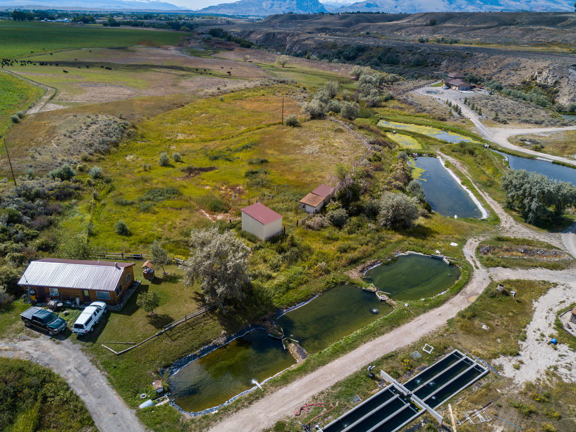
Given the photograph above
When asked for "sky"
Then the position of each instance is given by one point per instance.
(199, 4)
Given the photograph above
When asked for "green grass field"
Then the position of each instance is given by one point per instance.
(19, 40)
(17, 95)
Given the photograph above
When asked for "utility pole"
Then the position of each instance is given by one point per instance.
(9, 161)
(282, 109)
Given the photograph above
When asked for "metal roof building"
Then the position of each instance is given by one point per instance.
(87, 280)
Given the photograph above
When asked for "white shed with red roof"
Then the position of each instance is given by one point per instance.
(261, 221)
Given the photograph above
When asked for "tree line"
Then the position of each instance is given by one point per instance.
(537, 198)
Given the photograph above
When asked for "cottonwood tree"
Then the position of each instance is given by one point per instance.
(397, 210)
(220, 263)
(159, 254)
(535, 195)
(282, 60)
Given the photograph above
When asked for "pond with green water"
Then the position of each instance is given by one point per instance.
(440, 134)
(332, 316)
(220, 375)
(413, 276)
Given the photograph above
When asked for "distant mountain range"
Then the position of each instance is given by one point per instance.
(109, 5)
(412, 6)
(271, 7)
(266, 7)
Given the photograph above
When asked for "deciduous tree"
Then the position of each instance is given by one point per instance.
(220, 263)
(398, 210)
(148, 301)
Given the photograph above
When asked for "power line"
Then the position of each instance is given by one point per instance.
(9, 161)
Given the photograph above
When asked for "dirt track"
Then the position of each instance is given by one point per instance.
(109, 412)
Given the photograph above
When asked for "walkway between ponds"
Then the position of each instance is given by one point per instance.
(109, 412)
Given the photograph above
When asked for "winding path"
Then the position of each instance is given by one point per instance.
(109, 412)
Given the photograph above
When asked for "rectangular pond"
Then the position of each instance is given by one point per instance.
(225, 372)
(397, 405)
(413, 276)
(439, 134)
(444, 193)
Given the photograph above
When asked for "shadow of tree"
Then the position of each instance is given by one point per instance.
(160, 321)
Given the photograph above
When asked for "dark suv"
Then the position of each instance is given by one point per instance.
(44, 320)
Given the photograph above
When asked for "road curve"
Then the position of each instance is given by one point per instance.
(496, 135)
(109, 412)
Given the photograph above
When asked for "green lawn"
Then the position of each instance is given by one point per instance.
(19, 39)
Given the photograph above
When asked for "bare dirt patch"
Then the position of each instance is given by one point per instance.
(537, 354)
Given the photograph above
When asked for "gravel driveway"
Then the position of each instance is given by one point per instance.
(109, 412)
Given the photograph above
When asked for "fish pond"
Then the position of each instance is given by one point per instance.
(211, 380)
(332, 316)
(547, 168)
(226, 372)
(439, 134)
(444, 193)
(413, 276)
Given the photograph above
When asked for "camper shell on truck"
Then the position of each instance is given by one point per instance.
(44, 320)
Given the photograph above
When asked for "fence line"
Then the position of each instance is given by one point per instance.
(170, 326)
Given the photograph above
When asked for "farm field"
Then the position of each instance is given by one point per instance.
(20, 40)
(154, 135)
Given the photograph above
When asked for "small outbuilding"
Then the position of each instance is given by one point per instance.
(317, 199)
(78, 281)
(261, 221)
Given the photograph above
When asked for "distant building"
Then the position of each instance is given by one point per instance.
(77, 281)
(261, 221)
(317, 199)
(457, 81)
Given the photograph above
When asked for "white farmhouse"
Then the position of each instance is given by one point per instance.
(261, 221)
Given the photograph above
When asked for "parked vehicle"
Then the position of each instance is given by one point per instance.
(44, 320)
(89, 317)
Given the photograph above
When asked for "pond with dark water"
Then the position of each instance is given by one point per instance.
(445, 195)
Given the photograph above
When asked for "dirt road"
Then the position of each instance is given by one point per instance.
(109, 412)
(496, 135)
(40, 104)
